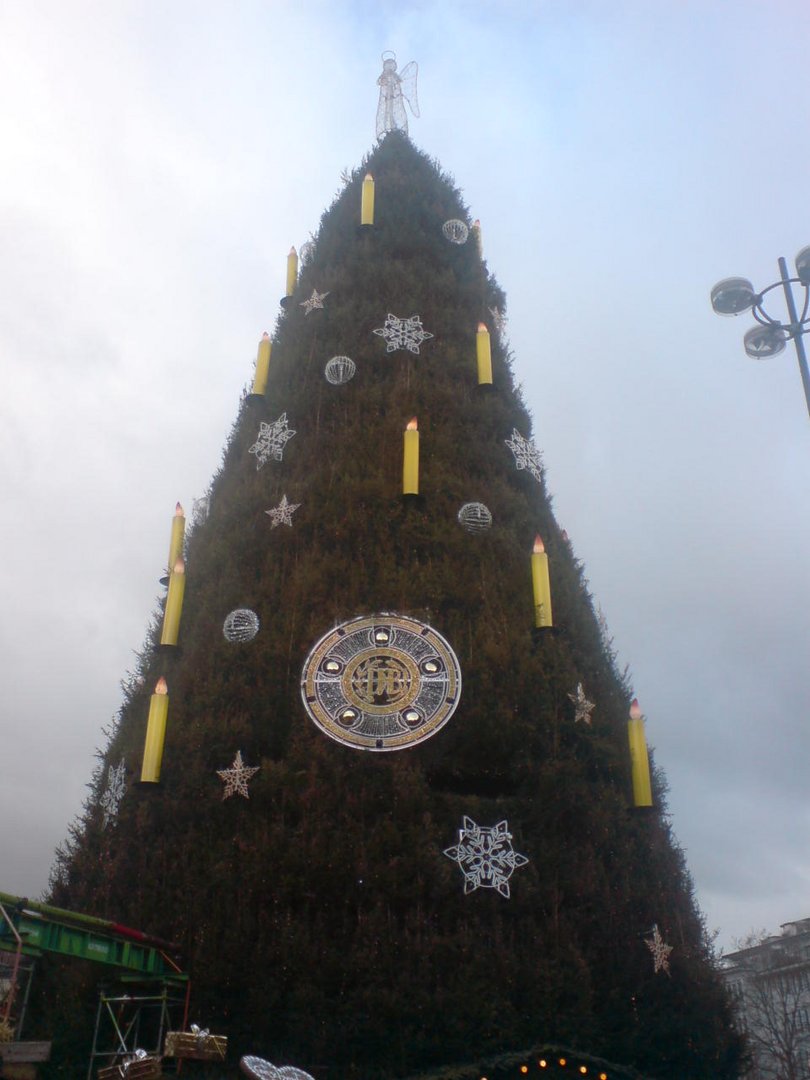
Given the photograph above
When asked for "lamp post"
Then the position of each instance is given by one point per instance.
(769, 337)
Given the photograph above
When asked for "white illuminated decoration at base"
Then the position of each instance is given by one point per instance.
(381, 682)
(485, 856)
(259, 1069)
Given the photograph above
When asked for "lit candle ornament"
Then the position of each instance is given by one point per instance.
(410, 459)
(292, 271)
(262, 367)
(484, 352)
(367, 201)
(155, 733)
(176, 538)
(640, 763)
(174, 604)
(541, 586)
(476, 231)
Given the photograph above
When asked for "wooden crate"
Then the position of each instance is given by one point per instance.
(145, 1068)
(196, 1047)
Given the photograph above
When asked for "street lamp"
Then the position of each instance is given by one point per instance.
(769, 337)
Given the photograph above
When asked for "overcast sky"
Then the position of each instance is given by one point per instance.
(159, 159)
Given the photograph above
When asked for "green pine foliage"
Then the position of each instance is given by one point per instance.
(320, 921)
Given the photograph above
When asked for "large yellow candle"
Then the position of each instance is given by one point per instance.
(479, 241)
(262, 368)
(176, 538)
(484, 352)
(174, 604)
(367, 201)
(155, 733)
(410, 460)
(640, 762)
(292, 271)
(541, 586)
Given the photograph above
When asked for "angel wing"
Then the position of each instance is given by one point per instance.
(408, 85)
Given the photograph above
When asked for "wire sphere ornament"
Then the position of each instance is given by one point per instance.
(340, 370)
(381, 682)
(241, 625)
(305, 252)
(475, 517)
(395, 89)
(455, 231)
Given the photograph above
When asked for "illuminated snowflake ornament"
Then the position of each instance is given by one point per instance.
(395, 89)
(660, 951)
(315, 301)
(527, 456)
(486, 856)
(282, 514)
(113, 792)
(582, 707)
(236, 778)
(403, 333)
(271, 440)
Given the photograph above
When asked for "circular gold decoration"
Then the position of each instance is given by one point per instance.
(381, 682)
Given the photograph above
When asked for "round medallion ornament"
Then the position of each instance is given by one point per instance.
(475, 517)
(339, 370)
(305, 253)
(381, 682)
(241, 625)
(455, 231)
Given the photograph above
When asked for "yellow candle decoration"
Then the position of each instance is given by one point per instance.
(174, 604)
(292, 271)
(640, 762)
(176, 538)
(262, 368)
(410, 459)
(155, 733)
(484, 352)
(367, 201)
(479, 243)
(541, 586)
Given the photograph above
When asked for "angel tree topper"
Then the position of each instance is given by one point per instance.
(394, 86)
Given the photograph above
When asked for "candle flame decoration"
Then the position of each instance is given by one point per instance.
(179, 567)
(635, 710)
(412, 425)
(161, 687)
(178, 511)
(265, 336)
(539, 547)
(482, 328)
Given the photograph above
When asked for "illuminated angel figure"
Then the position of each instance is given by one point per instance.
(394, 86)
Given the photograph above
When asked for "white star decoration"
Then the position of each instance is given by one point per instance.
(486, 856)
(660, 951)
(527, 456)
(237, 777)
(403, 333)
(582, 707)
(282, 514)
(315, 301)
(270, 440)
(113, 793)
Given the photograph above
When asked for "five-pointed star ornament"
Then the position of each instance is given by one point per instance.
(113, 793)
(236, 778)
(660, 951)
(485, 856)
(282, 514)
(403, 333)
(582, 707)
(527, 456)
(315, 301)
(271, 440)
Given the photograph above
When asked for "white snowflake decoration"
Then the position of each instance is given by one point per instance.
(282, 514)
(271, 440)
(113, 792)
(527, 456)
(582, 707)
(315, 301)
(475, 517)
(237, 777)
(403, 333)
(339, 370)
(455, 231)
(486, 856)
(660, 951)
(498, 318)
(240, 625)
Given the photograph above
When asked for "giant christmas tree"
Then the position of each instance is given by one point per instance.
(438, 862)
